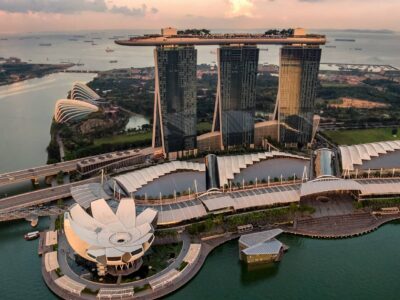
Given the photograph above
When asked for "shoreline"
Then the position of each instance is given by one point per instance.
(207, 246)
(58, 68)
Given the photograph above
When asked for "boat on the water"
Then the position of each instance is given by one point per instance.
(344, 40)
(113, 61)
(45, 44)
(109, 49)
(31, 235)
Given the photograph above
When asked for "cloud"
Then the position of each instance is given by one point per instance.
(52, 6)
(240, 7)
(70, 7)
(124, 10)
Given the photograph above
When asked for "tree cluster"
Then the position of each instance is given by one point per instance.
(283, 32)
(195, 31)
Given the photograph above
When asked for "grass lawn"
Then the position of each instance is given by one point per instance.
(204, 126)
(361, 136)
(123, 138)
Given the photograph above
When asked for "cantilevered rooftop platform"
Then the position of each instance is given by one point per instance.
(173, 38)
(222, 39)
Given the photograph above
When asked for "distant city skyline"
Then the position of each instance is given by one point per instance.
(73, 15)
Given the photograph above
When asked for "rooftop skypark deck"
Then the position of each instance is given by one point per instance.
(224, 39)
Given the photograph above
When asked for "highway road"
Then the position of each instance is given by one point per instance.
(37, 172)
(67, 166)
(40, 196)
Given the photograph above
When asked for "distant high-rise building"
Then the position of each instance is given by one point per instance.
(236, 95)
(174, 127)
(298, 77)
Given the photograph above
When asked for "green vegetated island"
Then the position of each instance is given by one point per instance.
(346, 97)
(13, 70)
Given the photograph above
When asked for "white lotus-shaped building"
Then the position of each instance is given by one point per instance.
(72, 110)
(80, 91)
(117, 240)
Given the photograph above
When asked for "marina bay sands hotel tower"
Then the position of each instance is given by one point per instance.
(175, 56)
(174, 128)
(236, 95)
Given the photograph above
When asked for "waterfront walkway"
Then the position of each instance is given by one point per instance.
(340, 226)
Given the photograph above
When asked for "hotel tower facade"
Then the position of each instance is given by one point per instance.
(298, 79)
(236, 95)
(174, 126)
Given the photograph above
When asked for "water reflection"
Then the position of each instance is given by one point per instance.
(252, 273)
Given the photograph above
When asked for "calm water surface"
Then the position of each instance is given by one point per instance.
(377, 48)
(26, 111)
(366, 267)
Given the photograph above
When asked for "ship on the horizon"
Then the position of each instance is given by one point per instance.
(344, 40)
(45, 44)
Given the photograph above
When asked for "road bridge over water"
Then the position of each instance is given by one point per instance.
(37, 172)
(42, 196)
(83, 165)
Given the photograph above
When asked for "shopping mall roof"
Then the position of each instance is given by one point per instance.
(229, 166)
(329, 184)
(259, 197)
(384, 186)
(86, 193)
(176, 212)
(133, 181)
(356, 154)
